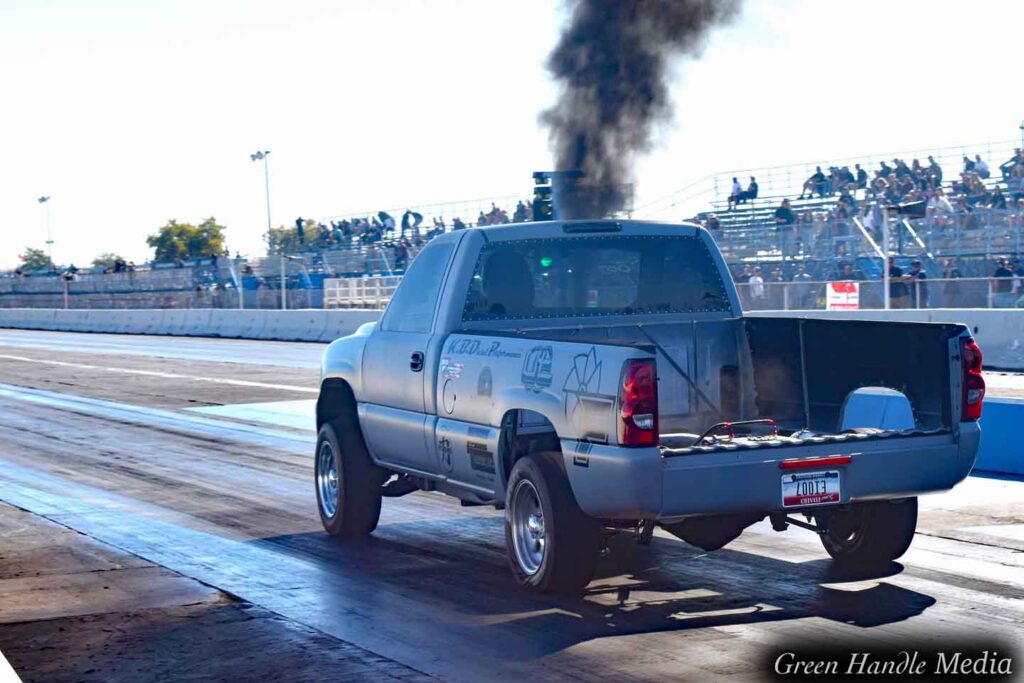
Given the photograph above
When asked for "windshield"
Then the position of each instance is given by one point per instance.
(593, 276)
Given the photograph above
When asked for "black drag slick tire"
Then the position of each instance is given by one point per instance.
(871, 534)
(349, 497)
(551, 545)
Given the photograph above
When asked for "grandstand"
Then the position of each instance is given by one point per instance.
(971, 235)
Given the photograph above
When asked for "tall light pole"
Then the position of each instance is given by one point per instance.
(45, 199)
(262, 156)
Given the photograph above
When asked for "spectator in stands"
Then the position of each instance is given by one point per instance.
(938, 209)
(387, 222)
(784, 215)
(898, 291)
(748, 194)
(861, 181)
(847, 204)
(1018, 276)
(849, 272)
(756, 286)
(411, 221)
(521, 214)
(734, 194)
(884, 170)
(968, 164)
(1007, 167)
(981, 167)
(918, 287)
(300, 231)
(997, 200)
(934, 171)
(1003, 277)
(712, 223)
(816, 183)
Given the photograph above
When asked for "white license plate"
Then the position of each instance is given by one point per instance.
(800, 489)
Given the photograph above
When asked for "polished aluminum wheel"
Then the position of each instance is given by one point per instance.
(327, 479)
(528, 533)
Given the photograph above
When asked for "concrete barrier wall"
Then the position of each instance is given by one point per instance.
(1000, 332)
(301, 325)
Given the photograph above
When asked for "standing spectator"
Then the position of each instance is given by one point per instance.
(951, 288)
(898, 291)
(300, 231)
(968, 164)
(784, 215)
(934, 170)
(862, 177)
(1002, 287)
(803, 294)
(916, 277)
(756, 283)
(981, 168)
(1018, 276)
(734, 194)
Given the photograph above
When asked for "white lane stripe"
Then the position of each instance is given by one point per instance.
(7, 674)
(165, 375)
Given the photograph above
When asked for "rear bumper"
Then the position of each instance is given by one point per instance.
(640, 483)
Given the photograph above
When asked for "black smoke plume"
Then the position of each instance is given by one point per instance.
(613, 63)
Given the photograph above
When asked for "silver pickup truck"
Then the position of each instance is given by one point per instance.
(598, 377)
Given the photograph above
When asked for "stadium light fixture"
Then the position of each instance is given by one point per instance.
(263, 156)
(45, 199)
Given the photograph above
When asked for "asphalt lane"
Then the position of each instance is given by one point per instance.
(223, 508)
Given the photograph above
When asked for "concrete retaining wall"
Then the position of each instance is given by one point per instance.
(301, 325)
(1000, 332)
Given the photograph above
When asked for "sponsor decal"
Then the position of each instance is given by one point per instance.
(481, 459)
(485, 382)
(537, 368)
(476, 347)
(450, 369)
(583, 380)
(581, 456)
(444, 454)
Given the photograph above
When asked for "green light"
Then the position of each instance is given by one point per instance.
(546, 261)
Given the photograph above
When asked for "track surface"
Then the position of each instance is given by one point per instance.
(146, 539)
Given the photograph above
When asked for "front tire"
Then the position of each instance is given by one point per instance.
(348, 484)
(872, 533)
(552, 546)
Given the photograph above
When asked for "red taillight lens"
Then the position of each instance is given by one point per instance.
(638, 404)
(974, 383)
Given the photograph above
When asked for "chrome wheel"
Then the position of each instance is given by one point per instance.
(327, 479)
(528, 533)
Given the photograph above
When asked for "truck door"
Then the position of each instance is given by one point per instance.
(398, 356)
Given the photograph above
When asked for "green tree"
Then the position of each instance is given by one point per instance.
(34, 259)
(285, 240)
(107, 259)
(186, 241)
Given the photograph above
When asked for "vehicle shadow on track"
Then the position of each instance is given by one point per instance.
(453, 571)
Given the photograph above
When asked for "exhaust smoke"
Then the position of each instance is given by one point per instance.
(612, 64)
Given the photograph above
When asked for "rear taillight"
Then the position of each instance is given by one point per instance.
(974, 383)
(638, 404)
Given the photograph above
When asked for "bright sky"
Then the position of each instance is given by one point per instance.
(129, 113)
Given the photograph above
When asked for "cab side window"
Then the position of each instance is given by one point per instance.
(413, 305)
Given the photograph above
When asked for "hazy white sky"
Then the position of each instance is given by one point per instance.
(132, 112)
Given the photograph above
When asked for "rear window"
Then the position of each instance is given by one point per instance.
(592, 276)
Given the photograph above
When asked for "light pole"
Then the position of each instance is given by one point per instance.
(45, 199)
(262, 156)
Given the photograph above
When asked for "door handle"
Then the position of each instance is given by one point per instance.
(416, 361)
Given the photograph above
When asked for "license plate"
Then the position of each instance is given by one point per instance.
(810, 488)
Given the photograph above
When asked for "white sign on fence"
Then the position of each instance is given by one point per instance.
(842, 296)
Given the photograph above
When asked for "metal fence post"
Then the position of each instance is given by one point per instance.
(284, 283)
